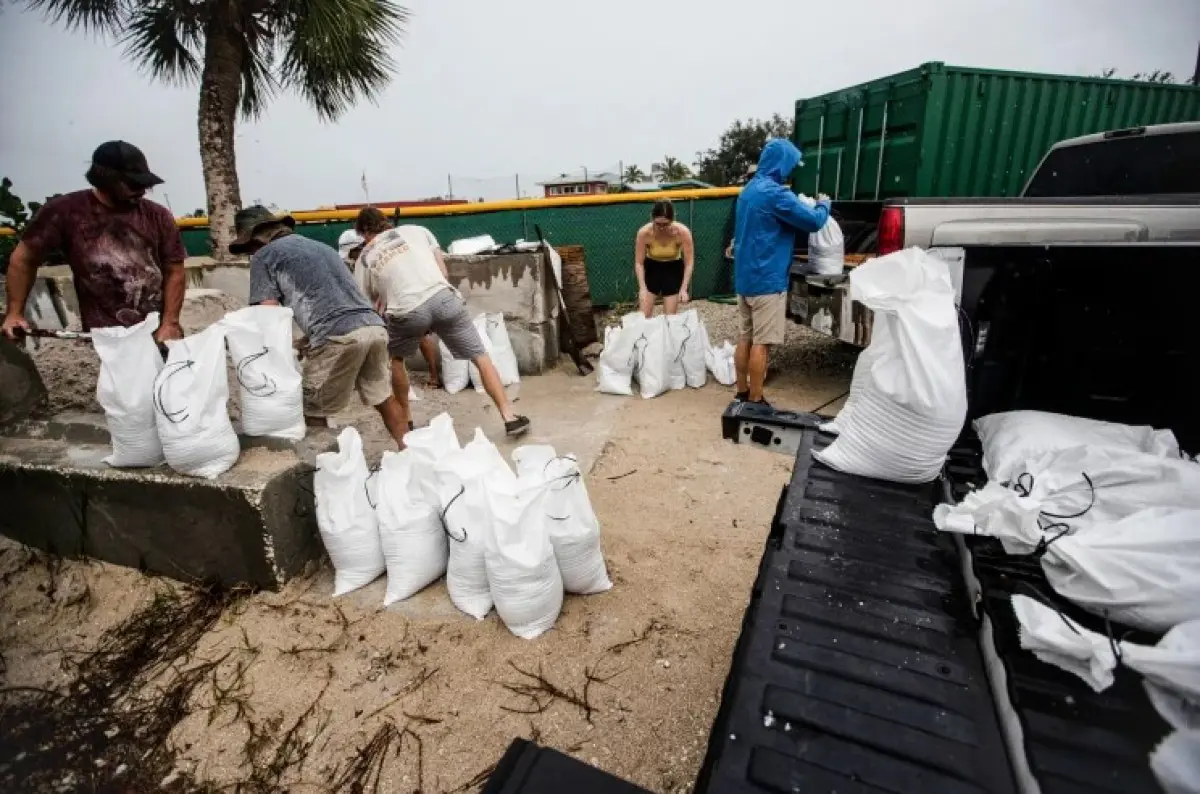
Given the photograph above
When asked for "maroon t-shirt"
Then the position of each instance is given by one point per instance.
(117, 257)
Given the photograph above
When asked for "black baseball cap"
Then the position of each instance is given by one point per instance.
(127, 160)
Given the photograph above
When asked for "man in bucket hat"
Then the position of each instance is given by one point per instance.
(125, 252)
(346, 338)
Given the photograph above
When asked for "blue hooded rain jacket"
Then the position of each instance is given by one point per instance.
(768, 217)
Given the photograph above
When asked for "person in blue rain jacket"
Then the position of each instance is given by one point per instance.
(769, 215)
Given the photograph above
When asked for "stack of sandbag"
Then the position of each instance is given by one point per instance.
(912, 397)
(461, 484)
(1011, 440)
(661, 353)
(428, 445)
(493, 331)
(191, 400)
(1070, 490)
(573, 527)
(129, 365)
(270, 385)
(410, 529)
(346, 496)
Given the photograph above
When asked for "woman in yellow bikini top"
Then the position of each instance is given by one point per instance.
(664, 257)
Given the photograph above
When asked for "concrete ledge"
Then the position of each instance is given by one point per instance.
(256, 524)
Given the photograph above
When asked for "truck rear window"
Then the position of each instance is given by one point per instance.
(1145, 165)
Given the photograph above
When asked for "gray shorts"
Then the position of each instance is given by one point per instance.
(445, 314)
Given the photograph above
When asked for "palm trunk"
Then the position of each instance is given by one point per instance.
(220, 93)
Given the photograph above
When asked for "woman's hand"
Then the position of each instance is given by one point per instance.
(683, 295)
(644, 295)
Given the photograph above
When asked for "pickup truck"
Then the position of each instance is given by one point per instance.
(879, 655)
(1136, 187)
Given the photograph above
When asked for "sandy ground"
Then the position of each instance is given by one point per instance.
(639, 669)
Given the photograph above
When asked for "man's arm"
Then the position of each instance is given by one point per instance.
(441, 260)
(174, 287)
(22, 270)
(794, 212)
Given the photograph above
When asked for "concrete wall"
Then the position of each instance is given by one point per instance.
(519, 286)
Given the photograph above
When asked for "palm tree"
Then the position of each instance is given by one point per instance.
(633, 175)
(244, 52)
(670, 170)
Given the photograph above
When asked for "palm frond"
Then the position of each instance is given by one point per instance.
(259, 84)
(165, 38)
(92, 16)
(336, 51)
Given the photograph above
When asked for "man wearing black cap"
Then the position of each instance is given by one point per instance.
(125, 252)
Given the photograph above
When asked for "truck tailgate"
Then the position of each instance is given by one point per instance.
(858, 667)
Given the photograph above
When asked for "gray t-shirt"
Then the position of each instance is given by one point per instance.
(310, 278)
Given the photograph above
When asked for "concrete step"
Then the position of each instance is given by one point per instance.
(255, 524)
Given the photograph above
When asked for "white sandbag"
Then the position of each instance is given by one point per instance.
(480, 323)
(428, 445)
(1143, 570)
(525, 582)
(469, 246)
(652, 349)
(1012, 439)
(573, 526)
(826, 250)
(455, 373)
(129, 364)
(346, 514)
(503, 355)
(270, 386)
(1176, 763)
(1170, 668)
(694, 349)
(914, 399)
(1071, 490)
(859, 380)
(191, 396)
(720, 362)
(467, 516)
(677, 339)
(414, 544)
(614, 371)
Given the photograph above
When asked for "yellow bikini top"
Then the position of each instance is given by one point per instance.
(667, 251)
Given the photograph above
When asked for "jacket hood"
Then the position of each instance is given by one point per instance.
(779, 159)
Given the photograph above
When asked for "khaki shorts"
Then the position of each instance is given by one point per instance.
(359, 360)
(764, 318)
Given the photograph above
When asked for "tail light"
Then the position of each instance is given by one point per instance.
(891, 230)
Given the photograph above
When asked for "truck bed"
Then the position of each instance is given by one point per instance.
(863, 665)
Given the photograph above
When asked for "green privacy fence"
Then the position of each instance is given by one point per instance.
(605, 231)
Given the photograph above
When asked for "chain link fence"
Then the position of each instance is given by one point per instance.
(606, 232)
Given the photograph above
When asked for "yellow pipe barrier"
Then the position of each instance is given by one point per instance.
(325, 216)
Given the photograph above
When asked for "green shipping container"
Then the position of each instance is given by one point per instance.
(942, 130)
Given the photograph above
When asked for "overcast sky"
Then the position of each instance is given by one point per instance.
(489, 89)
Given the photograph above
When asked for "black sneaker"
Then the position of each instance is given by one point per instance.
(517, 427)
(741, 397)
(764, 404)
(412, 426)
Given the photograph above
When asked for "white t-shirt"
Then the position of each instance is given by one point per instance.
(400, 269)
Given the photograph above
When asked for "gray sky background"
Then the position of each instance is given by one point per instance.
(489, 89)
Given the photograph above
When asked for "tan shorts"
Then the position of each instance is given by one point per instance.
(359, 360)
(764, 318)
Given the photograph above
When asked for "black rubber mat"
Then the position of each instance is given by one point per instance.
(1075, 740)
(526, 768)
(857, 669)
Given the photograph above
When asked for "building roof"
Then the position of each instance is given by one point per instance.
(652, 187)
(593, 177)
